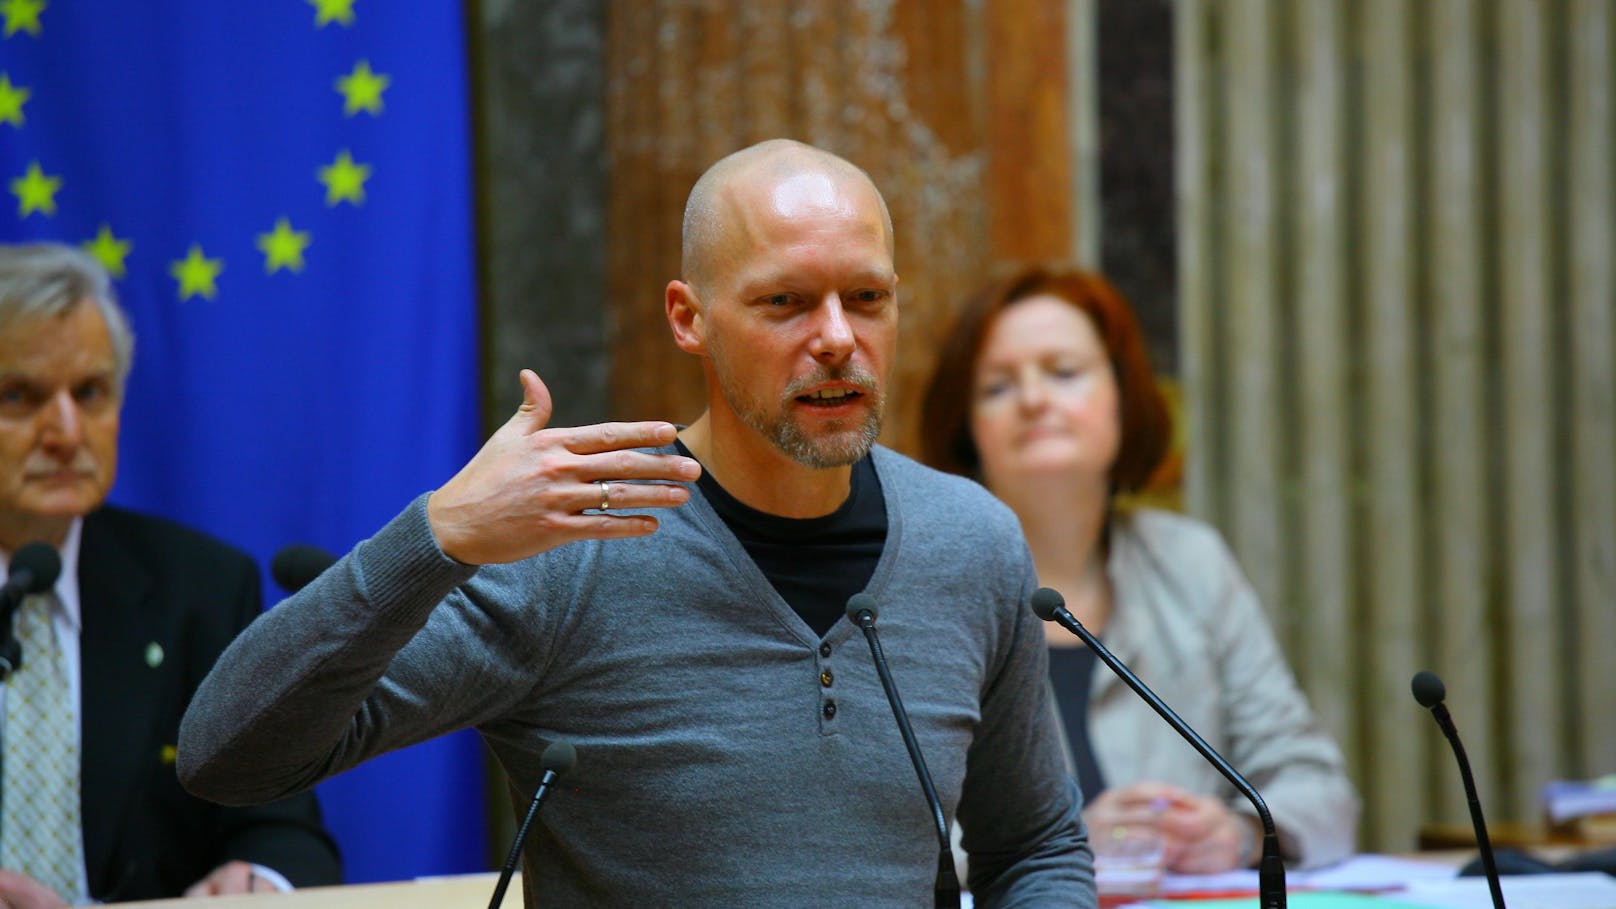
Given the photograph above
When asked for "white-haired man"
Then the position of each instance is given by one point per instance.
(90, 807)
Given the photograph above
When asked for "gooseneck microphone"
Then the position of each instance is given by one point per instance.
(1051, 607)
(1429, 691)
(295, 566)
(33, 569)
(557, 758)
(862, 610)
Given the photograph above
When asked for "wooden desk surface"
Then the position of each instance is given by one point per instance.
(469, 890)
(1519, 835)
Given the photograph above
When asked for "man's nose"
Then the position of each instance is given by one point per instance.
(63, 424)
(833, 334)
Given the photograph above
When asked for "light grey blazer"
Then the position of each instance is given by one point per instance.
(1189, 625)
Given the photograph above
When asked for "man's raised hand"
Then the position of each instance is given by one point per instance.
(531, 489)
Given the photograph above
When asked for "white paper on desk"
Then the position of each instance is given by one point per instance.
(1358, 872)
(1372, 872)
(1579, 890)
(1207, 883)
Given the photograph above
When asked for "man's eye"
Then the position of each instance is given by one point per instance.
(870, 296)
(18, 400)
(21, 392)
(778, 299)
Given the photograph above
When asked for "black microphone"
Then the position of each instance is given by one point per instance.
(861, 609)
(295, 566)
(556, 759)
(34, 569)
(1051, 607)
(1429, 691)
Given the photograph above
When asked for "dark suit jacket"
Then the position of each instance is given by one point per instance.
(160, 602)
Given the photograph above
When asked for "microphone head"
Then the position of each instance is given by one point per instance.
(558, 756)
(41, 563)
(859, 603)
(1045, 603)
(1428, 688)
(298, 564)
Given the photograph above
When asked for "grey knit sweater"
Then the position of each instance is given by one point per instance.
(726, 756)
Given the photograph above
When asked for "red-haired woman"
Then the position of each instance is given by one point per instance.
(1044, 394)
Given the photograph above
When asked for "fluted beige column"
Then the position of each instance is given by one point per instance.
(1396, 244)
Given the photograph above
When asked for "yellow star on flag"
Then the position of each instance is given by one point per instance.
(344, 179)
(362, 90)
(283, 247)
(22, 16)
(196, 274)
(12, 98)
(109, 251)
(35, 191)
(326, 11)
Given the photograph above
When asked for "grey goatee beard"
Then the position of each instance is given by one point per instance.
(837, 449)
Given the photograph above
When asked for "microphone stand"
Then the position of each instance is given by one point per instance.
(1271, 869)
(10, 654)
(946, 888)
(557, 758)
(10, 647)
(1429, 691)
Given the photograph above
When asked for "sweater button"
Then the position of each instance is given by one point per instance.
(830, 710)
(824, 651)
(825, 678)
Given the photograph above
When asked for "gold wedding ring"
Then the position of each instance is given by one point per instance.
(605, 496)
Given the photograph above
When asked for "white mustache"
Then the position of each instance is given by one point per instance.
(83, 463)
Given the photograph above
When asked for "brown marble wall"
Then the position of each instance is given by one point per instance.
(597, 118)
(886, 84)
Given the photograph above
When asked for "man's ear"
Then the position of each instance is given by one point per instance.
(685, 318)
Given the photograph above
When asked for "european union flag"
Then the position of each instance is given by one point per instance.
(283, 192)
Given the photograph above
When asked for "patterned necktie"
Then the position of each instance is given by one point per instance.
(39, 800)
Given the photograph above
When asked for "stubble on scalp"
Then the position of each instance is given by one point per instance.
(713, 212)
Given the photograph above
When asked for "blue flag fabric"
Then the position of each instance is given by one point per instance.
(283, 192)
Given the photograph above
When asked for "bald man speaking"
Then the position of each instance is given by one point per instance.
(672, 602)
